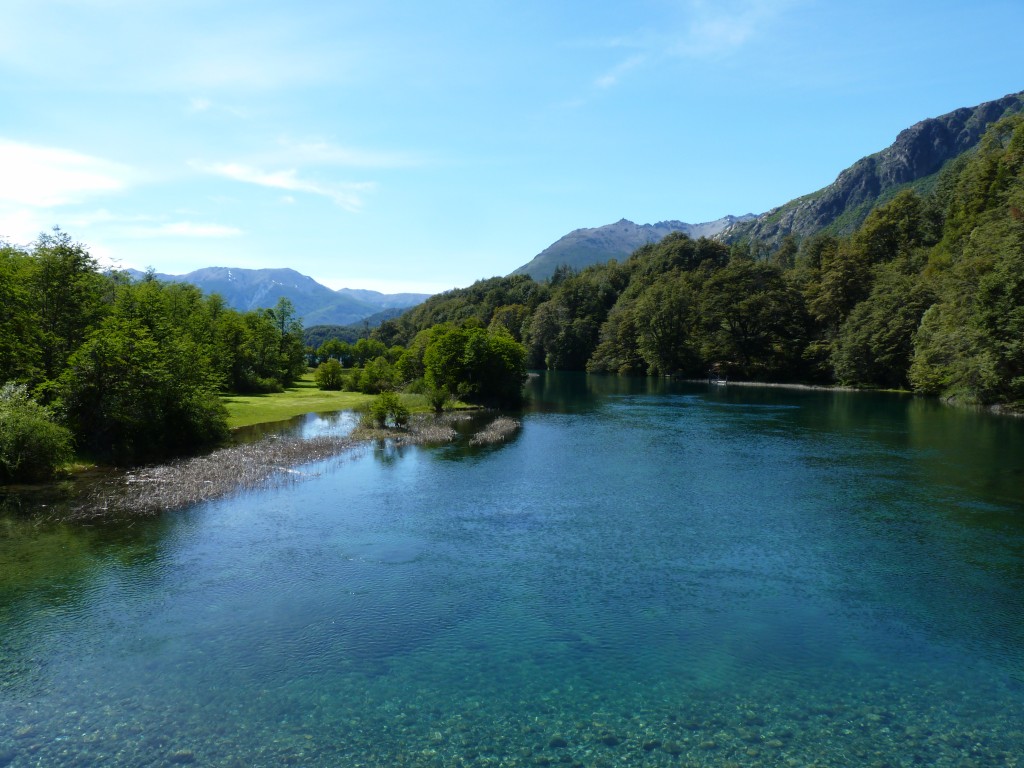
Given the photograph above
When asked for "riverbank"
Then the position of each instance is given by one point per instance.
(268, 462)
(997, 409)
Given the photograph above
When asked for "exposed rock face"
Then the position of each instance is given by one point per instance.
(597, 245)
(917, 153)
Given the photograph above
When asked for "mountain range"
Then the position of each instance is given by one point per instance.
(315, 304)
(596, 245)
(914, 159)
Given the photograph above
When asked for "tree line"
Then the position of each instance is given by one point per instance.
(926, 295)
(446, 361)
(126, 371)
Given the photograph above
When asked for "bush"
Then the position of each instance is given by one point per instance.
(387, 411)
(438, 398)
(378, 375)
(329, 375)
(32, 446)
(130, 400)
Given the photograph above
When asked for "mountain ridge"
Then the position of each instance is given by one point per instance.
(918, 153)
(596, 245)
(248, 289)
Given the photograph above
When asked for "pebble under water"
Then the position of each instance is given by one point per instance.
(645, 574)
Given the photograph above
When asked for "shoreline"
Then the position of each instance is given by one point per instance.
(996, 409)
(265, 463)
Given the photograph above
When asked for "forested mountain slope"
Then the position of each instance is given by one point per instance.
(927, 293)
(916, 156)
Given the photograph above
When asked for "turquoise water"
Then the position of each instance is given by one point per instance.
(646, 574)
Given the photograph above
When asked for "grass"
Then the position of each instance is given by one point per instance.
(303, 397)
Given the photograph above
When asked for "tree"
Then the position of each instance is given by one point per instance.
(876, 343)
(666, 314)
(752, 320)
(20, 342)
(129, 399)
(32, 445)
(377, 376)
(329, 375)
(476, 365)
(68, 293)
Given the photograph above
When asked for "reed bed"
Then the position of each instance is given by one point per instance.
(497, 431)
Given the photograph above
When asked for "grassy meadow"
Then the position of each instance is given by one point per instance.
(302, 397)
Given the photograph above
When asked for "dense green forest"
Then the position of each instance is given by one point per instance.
(125, 371)
(927, 294)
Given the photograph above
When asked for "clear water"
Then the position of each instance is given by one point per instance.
(648, 574)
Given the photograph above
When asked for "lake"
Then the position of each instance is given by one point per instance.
(647, 573)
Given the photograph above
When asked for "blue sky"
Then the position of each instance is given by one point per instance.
(420, 146)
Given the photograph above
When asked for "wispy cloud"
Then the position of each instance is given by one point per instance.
(45, 177)
(253, 49)
(184, 229)
(615, 74)
(718, 29)
(346, 195)
(701, 29)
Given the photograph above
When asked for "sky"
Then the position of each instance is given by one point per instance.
(412, 146)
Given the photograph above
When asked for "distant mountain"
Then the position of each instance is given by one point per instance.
(315, 304)
(914, 159)
(597, 245)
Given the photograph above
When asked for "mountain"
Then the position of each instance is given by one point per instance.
(248, 289)
(914, 159)
(596, 245)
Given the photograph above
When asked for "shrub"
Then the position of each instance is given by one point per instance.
(329, 375)
(32, 446)
(438, 398)
(387, 411)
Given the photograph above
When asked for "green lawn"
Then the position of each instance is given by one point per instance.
(303, 397)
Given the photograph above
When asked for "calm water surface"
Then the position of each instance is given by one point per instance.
(647, 574)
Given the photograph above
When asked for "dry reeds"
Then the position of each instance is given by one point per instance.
(495, 432)
(265, 463)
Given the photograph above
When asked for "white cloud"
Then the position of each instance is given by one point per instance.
(703, 29)
(616, 73)
(347, 195)
(185, 229)
(716, 29)
(22, 226)
(44, 177)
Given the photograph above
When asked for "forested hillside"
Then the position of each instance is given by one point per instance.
(914, 160)
(927, 293)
